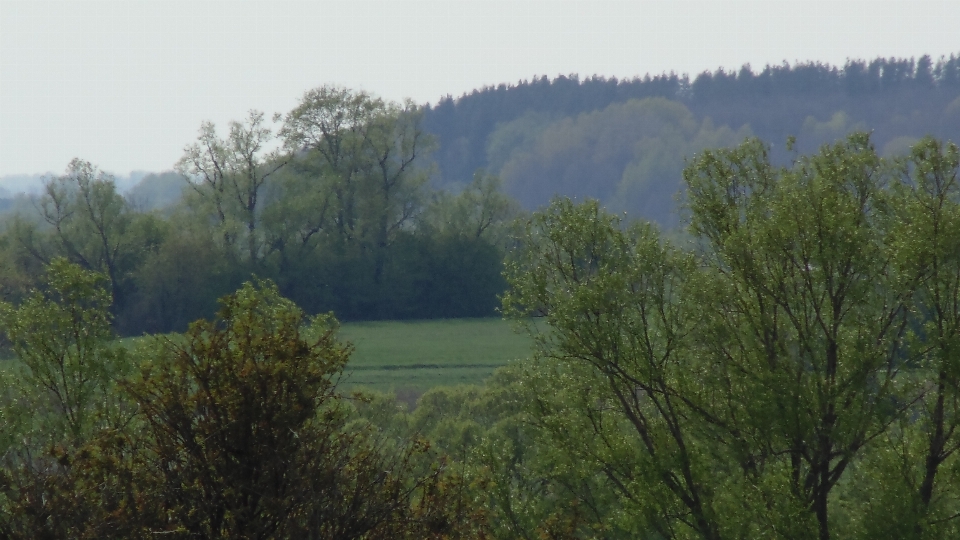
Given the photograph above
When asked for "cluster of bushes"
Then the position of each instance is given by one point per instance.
(233, 430)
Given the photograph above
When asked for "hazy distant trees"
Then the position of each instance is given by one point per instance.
(627, 155)
(333, 204)
(82, 217)
(340, 202)
(899, 100)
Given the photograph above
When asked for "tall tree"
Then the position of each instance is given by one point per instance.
(731, 394)
(362, 155)
(810, 313)
(63, 337)
(231, 175)
(926, 248)
(617, 333)
(90, 223)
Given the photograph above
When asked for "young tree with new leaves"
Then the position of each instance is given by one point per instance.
(810, 313)
(616, 344)
(738, 392)
(62, 336)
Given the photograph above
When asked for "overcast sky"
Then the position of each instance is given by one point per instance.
(125, 84)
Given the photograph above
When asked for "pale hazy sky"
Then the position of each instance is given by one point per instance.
(125, 84)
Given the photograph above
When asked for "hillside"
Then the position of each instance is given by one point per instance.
(625, 141)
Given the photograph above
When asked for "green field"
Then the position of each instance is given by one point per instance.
(408, 358)
(411, 357)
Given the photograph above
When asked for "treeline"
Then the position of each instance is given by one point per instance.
(380, 210)
(333, 206)
(512, 130)
(787, 371)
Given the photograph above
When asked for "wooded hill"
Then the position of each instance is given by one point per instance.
(381, 211)
(625, 141)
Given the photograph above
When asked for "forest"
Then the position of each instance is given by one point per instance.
(334, 206)
(776, 356)
(624, 141)
(386, 211)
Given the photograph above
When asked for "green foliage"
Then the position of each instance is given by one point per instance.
(527, 489)
(157, 191)
(896, 98)
(813, 314)
(362, 161)
(63, 338)
(481, 210)
(838, 126)
(61, 393)
(926, 248)
(339, 216)
(628, 395)
(792, 378)
(228, 415)
(179, 281)
(632, 153)
(239, 432)
(229, 177)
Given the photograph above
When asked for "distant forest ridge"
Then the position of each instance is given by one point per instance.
(376, 211)
(624, 141)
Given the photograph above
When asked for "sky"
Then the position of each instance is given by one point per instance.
(125, 84)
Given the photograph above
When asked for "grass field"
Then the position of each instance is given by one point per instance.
(411, 357)
(408, 358)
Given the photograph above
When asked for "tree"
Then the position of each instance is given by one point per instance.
(481, 210)
(528, 485)
(926, 246)
(248, 437)
(735, 390)
(81, 217)
(63, 337)
(239, 432)
(66, 475)
(810, 313)
(231, 174)
(616, 341)
(89, 222)
(361, 159)
(229, 415)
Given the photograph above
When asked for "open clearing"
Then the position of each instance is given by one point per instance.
(410, 357)
(405, 357)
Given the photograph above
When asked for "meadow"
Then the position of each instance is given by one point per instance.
(410, 357)
(407, 358)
